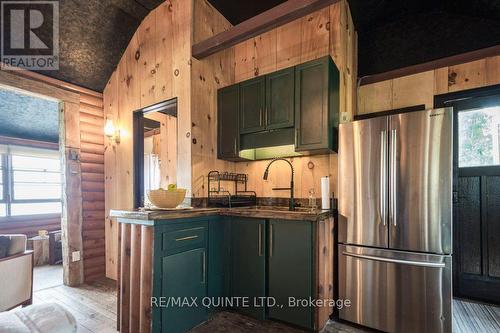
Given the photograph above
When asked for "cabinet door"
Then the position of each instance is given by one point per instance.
(248, 262)
(184, 275)
(228, 103)
(280, 99)
(291, 270)
(311, 105)
(252, 104)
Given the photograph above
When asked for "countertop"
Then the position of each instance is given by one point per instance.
(269, 212)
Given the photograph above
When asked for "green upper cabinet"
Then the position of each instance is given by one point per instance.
(228, 108)
(291, 270)
(294, 111)
(317, 105)
(248, 262)
(280, 99)
(252, 105)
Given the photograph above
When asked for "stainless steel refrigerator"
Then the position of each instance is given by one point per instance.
(395, 219)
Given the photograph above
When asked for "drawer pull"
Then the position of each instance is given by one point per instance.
(186, 238)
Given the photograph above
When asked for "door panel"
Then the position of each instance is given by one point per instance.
(412, 293)
(228, 107)
(248, 260)
(469, 230)
(291, 269)
(252, 104)
(311, 105)
(362, 183)
(493, 225)
(421, 181)
(280, 99)
(184, 275)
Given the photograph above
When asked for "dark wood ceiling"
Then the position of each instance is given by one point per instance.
(392, 33)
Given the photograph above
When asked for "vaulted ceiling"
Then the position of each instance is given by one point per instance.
(392, 33)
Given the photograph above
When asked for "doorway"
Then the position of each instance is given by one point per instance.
(476, 193)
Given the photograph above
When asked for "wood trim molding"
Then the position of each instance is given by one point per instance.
(431, 65)
(5, 140)
(51, 81)
(270, 19)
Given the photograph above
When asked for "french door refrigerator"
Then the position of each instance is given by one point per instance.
(395, 219)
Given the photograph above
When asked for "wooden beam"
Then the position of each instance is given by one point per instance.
(270, 19)
(50, 81)
(5, 140)
(432, 65)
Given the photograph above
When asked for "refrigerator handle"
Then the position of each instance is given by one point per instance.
(393, 177)
(396, 261)
(383, 177)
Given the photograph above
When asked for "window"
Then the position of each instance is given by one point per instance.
(30, 182)
(479, 137)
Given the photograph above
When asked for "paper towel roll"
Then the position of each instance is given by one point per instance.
(325, 192)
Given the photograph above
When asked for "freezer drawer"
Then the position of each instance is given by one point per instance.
(395, 291)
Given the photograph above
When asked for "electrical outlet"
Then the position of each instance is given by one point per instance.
(75, 256)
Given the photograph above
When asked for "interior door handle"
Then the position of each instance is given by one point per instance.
(396, 261)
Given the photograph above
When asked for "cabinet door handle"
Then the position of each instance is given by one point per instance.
(271, 235)
(235, 144)
(203, 267)
(260, 240)
(186, 238)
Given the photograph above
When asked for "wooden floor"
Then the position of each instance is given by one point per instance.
(47, 276)
(475, 317)
(94, 307)
(93, 304)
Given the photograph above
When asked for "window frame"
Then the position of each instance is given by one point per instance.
(8, 193)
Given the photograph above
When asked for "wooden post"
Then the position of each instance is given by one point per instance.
(125, 278)
(146, 279)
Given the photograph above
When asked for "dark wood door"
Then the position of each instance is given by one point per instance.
(228, 106)
(291, 270)
(311, 105)
(280, 99)
(476, 197)
(252, 105)
(248, 261)
(477, 240)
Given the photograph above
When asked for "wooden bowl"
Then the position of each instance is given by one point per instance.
(167, 199)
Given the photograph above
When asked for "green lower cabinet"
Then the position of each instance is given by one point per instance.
(248, 263)
(218, 259)
(291, 270)
(184, 276)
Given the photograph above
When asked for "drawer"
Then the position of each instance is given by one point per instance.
(184, 239)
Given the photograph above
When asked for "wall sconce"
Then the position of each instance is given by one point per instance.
(111, 132)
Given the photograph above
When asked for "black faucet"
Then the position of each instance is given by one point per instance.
(291, 207)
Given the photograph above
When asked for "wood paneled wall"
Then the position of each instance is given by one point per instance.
(329, 31)
(420, 88)
(155, 67)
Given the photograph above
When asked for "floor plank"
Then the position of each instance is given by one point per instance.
(94, 307)
(93, 304)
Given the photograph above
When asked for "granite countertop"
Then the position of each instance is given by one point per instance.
(270, 212)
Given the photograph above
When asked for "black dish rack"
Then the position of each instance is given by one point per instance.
(220, 197)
